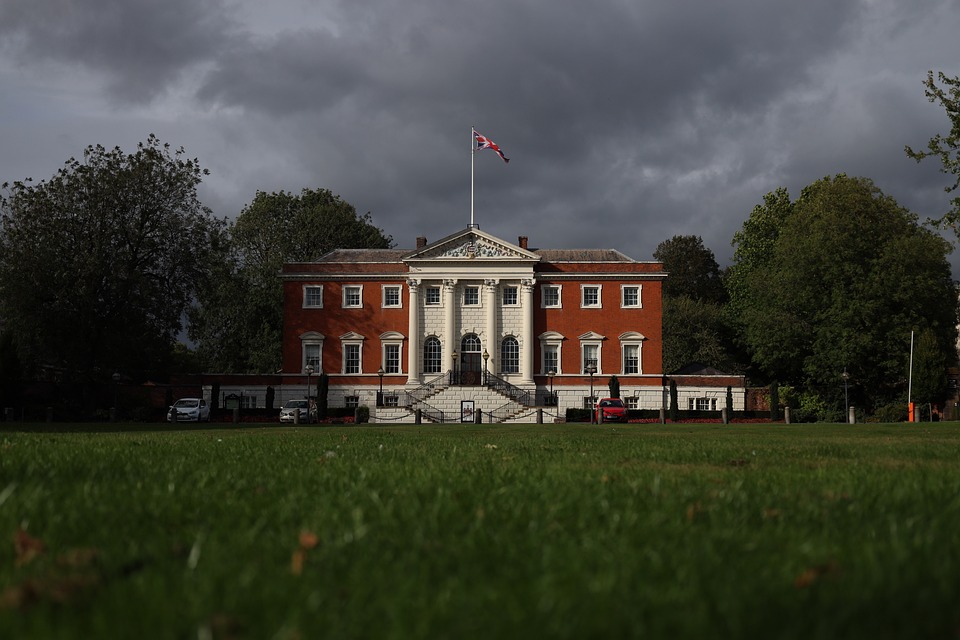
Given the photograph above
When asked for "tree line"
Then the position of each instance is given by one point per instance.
(106, 266)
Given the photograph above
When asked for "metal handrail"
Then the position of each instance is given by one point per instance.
(504, 388)
(428, 388)
(431, 412)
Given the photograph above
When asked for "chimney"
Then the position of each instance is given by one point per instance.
(421, 242)
(523, 242)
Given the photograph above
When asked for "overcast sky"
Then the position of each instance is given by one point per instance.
(626, 122)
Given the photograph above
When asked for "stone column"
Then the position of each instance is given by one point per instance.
(526, 349)
(493, 336)
(414, 376)
(449, 326)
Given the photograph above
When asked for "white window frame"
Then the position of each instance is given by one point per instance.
(551, 339)
(590, 402)
(473, 289)
(383, 297)
(311, 339)
(583, 296)
(631, 339)
(439, 361)
(389, 340)
(351, 401)
(312, 288)
(623, 296)
(516, 296)
(426, 295)
(632, 402)
(543, 296)
(503, 359)
(623, 350)
(347, 288)
(351, 339)
(694, 404)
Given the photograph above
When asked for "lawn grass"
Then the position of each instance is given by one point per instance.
(561, 531)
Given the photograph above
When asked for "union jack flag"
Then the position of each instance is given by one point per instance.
(484, 142)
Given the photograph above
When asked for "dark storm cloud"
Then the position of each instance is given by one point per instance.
(140, 46)
(627, 121)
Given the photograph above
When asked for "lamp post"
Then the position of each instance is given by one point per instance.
(550, 375)
(456, 379)
(846, 396)
(486, 356)
(591, 369)
(309, 371)
(380, 393)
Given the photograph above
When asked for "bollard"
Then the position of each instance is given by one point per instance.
(174, 417)
(8, 414)
(540, 416)
(236, 415)
(724, 417)
(663, 416)
(478, 416)
(852, 417)
(417, 416)
(786, 415)
(296, 417)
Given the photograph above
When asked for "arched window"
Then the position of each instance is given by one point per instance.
(510, 355)
(470, 343)
(432, 352)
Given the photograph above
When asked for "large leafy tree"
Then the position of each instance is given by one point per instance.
(99, 263)
(946, 91)
(692, 268)
(696, 331)
(849, 274)
(239, 320)
(694, 326)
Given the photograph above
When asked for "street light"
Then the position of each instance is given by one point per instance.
(846, 396)
(550, 375)
(309, 371)
(591, 369)
(455, 379)
(380, 393)
(486, 356)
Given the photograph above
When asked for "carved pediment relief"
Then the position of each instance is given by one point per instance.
(472, 245)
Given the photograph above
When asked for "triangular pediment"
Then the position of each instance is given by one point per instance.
(471, 244)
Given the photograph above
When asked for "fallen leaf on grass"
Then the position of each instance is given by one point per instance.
(307, 540)
(814, 574)
(26, 547)
(693, 511)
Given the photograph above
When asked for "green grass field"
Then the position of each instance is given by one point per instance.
(560, 531)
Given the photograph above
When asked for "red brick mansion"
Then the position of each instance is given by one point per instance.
(471, 322)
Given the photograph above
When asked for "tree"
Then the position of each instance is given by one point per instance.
(692, 268)
(238, 322)
(930, 383)
(754, 244)
(946, 148)
(696, 332)
(614, 387)
(98, 264)
(849, 273)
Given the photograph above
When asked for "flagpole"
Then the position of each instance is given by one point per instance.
(473, 155)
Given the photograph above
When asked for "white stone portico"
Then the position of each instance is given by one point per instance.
(485, 290)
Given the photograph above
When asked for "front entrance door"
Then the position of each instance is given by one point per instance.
(472, 361)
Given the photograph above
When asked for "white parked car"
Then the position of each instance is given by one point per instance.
(292, 407)
(190, 410)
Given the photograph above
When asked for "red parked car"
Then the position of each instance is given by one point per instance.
(611, 410)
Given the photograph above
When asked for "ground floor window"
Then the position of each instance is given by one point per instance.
(589, 403)
(352, 402)
(702, 404)
(633, 402)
